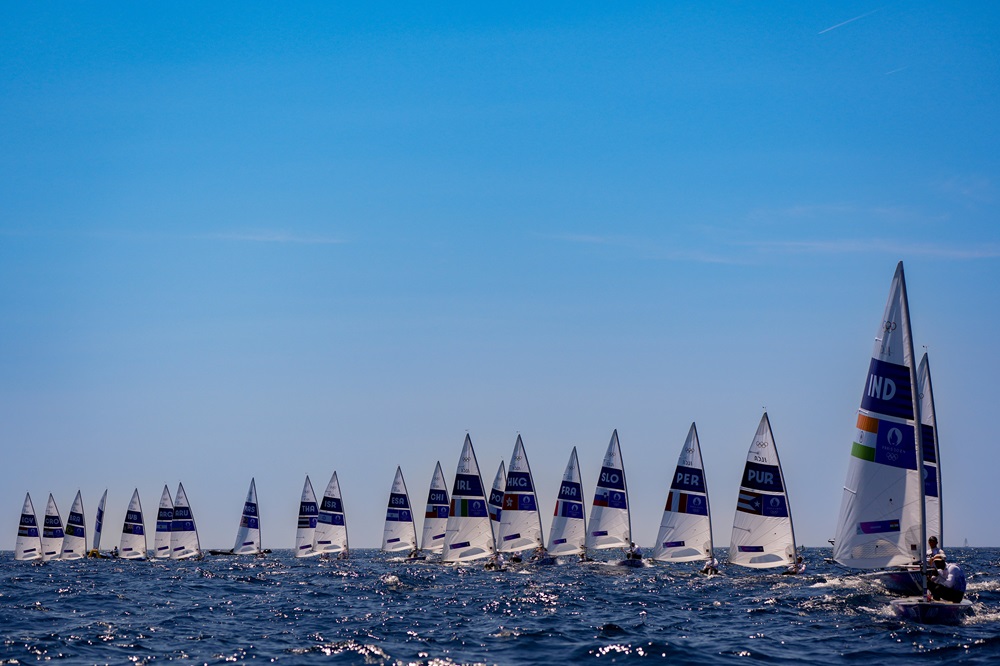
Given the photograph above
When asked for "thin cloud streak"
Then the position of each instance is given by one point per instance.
(986, 251)
(646, 248)
(852, 20)
(271, 237)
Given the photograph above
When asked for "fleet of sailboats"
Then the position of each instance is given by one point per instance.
(892, 499)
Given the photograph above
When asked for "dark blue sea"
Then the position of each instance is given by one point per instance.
(375, 609)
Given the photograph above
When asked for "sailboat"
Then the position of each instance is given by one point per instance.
(469, 535)
(29, 543)
(436, 514)
(184, 541)
(520, 521)
(908, 580)
(686, 528)
(248, 534)
(569, 525)
(98, 527)
(164, 525)
(610, 520)
(399, 533)
(74, 546)
(882, 514)
(305, 533)
(496, 498)
(52, 532)
(133, 543)
(331, 525)
(763, 534)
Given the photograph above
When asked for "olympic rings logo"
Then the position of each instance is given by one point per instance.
(889, 325)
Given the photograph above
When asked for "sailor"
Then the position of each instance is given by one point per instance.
(633, 552)
(932, 549)
(797, 567)
(538, 553)
(711, 566)
(946, 581)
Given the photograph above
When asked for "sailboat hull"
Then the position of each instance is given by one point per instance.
(916, 609)
(905, 582)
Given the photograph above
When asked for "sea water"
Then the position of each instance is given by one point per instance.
(376, 609)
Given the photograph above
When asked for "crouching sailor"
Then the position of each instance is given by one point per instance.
(946, 581)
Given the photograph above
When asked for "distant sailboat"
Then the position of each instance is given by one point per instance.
(496, 498)
(436, 514)
(569, 525)
(133, 543)
(331, 525)
(184, 541)
(610, 519)
(520, 521)
(52, 532)
(686, 528)
(763, 536)
(399, 533)
(164, 525)
(98, 527)
(248, 534)
(469, 535)
(74, 545)
(29, 542)
(305, 533)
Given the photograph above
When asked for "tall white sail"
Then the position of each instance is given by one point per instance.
(133, 543)
(879, 524)
(164, 525)
(520, 520)
(469, 535)
(569, 526)
(331, 526)
(305, 533)
(29, 542)
(436, 514)
(248, 534)
(610, 521)
(932, 452)
(495, 501)
(99, 522)
(52, 531)
(399, 533)
(74, 544)
(686, 528)
(762, 528)
(184, 541)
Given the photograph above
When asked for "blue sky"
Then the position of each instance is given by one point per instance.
(252, 241)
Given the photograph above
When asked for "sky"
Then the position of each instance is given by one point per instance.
(268, 241)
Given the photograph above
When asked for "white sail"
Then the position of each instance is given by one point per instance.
(879, 524)
(762, 528)
(932, 452)
(184, 541)
(248, 534)
(399, 533)
(469, 535)
(164, 525)
(52, 532)
(686, 528)
(29, 542)
(610, 521)
(74, 544)
(331, 525)
(436, 514)
(305, 533)
(99, 522)
(520, 520)
(495, 502)
(133, 543)
(569, 526)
